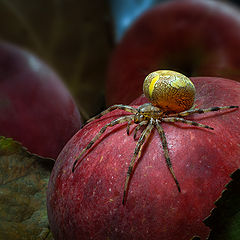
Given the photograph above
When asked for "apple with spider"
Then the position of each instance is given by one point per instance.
(101, 188)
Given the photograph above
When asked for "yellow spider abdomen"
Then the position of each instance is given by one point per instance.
(169, 90)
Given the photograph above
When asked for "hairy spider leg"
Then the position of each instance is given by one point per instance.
(175, 119)
(200, 110)
(166, 153)
(103, 129)
(128, 126)
(137, 153)
(118, 106)
(138, 127)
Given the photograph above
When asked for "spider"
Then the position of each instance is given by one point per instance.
(171, 96)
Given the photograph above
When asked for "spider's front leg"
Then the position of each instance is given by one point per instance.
(110, 109)
(138, 127)
(137, 153)
(119, 120)
(140, 124)
(128, 126)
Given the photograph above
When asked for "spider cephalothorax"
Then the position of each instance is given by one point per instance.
(171, 97)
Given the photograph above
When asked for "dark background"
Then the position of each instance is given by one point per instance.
(75, 37)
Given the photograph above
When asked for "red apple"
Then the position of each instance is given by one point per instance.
(87, 204)
(35, 106)
(195, 37)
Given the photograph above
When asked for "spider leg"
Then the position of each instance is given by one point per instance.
(103, 129)
(119, 106)
(175, 119)
(128, 126)
(166, 153)
(138, 127)
(137, 153)
(199, 110)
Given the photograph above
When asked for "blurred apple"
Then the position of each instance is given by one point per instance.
(194, 37)
(36, 109)
(87, 204)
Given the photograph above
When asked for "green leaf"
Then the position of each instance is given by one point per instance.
(224, 220)
(23, 183)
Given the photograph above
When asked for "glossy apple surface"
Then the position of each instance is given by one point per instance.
(87, 204)
(36, 108)
(194, 37)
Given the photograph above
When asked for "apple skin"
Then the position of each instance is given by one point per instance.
(194, 37)
(36, 108)
(87, 204)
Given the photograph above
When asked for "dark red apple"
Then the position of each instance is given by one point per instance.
(35, 106)
(195, 37)
(87, 204)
